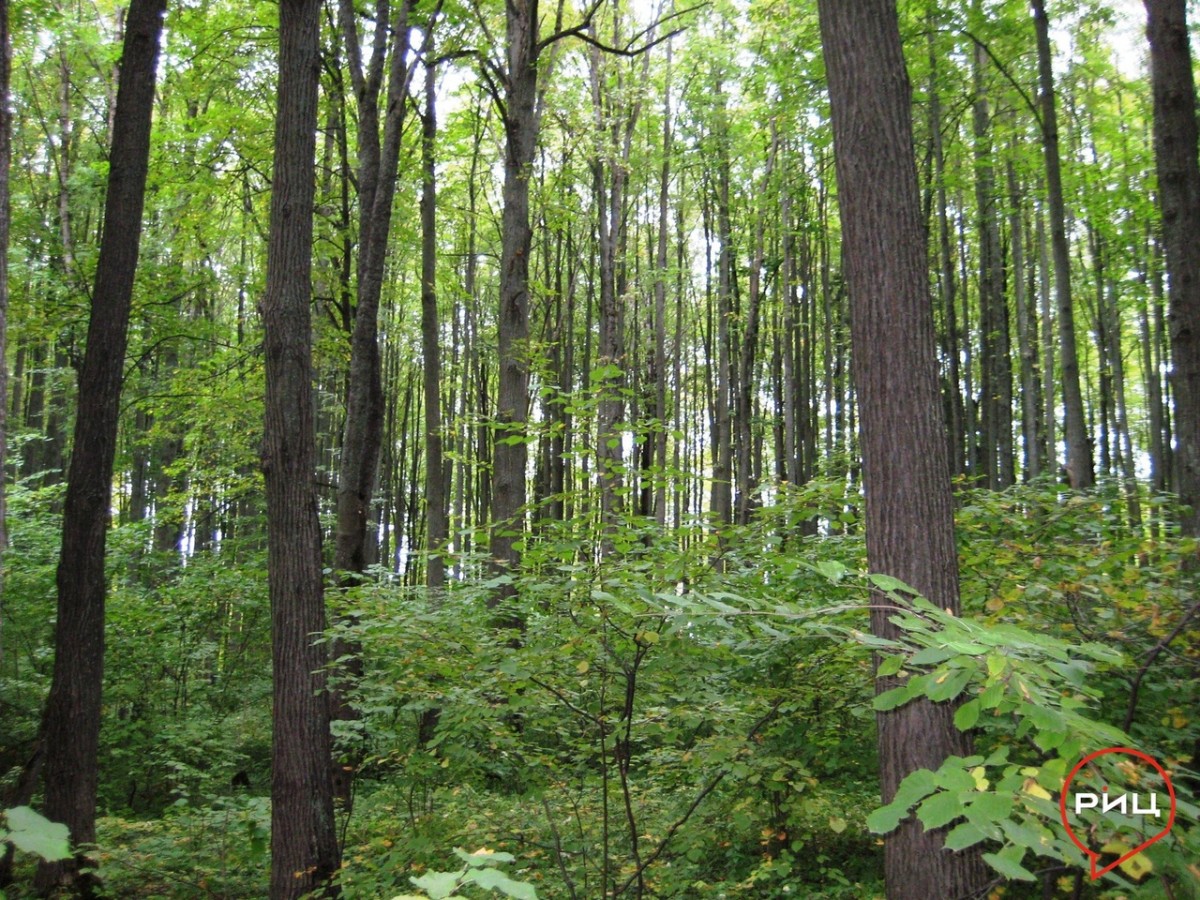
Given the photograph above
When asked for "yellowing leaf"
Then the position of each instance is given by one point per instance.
(582, 667)
(1033, 789)
(981, 783)
(837, 824)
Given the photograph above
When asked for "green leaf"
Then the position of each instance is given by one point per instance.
(495, 880)
(33, 833)
(438, 885)
(888, 583)
(479, 859)
(940, 809)
(967, 715)
(948, 685)
(990, 808)
(964, 835)
(932, 655)
(890, 666)
(1008, 863)
(890, 699)
(886, 818)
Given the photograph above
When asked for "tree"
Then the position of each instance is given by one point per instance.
(1175, 146)
(1079, 453)
(5, 157)
(909, 505)
(71, 727)
(304, 851)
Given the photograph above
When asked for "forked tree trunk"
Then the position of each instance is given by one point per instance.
(909, 516)
(71, 727)
(304, 851)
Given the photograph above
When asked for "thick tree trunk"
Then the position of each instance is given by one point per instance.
(910, 524)
(304, 852)
(1079, 453)
(1175, 146)
(72, 719)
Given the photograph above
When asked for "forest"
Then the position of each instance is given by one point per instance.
(599, 449)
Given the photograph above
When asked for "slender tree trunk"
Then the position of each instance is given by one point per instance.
(947, 285)
(304, 851)
(1026, 339)
(722, 481)
(437, 523)
(5, 158)
(71, 725)
(1175, 146)
(1048, 355)
(1079, 454)
(910, 508)
(660, 309)
(995, 350)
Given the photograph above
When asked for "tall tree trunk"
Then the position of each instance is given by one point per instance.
(660, 309)
(304, 851)
(1079, 454)
(363, 430)
(1026, 338)
(510, 452)
(722, 449)
(437, 523)
(910, 518)
(946, 280)
(1175, 148)
(5, 157)
(995, 351)
(71, 725)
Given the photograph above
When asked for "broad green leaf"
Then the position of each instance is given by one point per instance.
(932, 655)
(32, 832)
(1008, 863)
(495, 880)
(892, 698)
(483, 857)
(940, 809)
(967, 715)
(438, 885)
(964, 835)
(890, 666)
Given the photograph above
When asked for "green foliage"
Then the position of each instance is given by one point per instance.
(32, 833)
(479, 870)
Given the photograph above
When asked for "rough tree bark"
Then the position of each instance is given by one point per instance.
(1079, 453)
(71, 727)
(304, 851)
(909, 504)
(1175, 148)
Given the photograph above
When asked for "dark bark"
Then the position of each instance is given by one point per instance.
(304, 852)
(512, 401)
(721, 502)
(995, 350)
(437, 524)
(5, 157)
(910, 526)
(72, 719)
(1079, 453)
(1026, 336)
(1175, 147)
